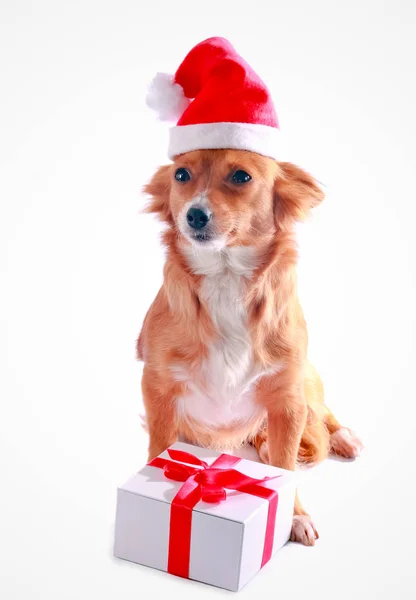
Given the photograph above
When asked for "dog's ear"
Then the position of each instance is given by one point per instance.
(295, 193)
(158, 189)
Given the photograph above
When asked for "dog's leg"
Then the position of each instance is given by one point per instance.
(287, 416)
(159, 402)
(285, 429)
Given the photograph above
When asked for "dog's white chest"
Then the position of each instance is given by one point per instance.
(222, 392)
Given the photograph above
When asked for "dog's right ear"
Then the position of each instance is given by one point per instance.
(158, 188)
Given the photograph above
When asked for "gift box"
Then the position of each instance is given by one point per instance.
(202, 515)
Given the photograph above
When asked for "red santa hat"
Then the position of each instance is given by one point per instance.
(218, 101)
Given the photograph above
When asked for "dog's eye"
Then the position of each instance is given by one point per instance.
(182, 175)
(240, 177)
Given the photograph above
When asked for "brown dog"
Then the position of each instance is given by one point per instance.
(225, 342)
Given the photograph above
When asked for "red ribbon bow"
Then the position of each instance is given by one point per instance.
(207, 483)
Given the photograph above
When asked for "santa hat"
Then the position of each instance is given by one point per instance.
(218, 101)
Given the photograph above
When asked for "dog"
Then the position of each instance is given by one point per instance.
(224, 343)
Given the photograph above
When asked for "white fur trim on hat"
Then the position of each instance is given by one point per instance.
(166, 97)
(238, 136)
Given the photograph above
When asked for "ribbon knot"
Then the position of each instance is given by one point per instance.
(212, 481)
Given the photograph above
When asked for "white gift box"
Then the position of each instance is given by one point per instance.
(227, 539)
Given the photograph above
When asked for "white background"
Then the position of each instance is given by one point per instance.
(79, 266)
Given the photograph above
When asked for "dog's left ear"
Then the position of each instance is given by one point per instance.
(158, 189)
(295, 193)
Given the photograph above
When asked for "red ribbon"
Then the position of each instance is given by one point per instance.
(207, 483)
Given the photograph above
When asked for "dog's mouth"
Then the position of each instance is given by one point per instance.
(207, 239)
(202, 236)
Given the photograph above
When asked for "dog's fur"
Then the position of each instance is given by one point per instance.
(224, 342)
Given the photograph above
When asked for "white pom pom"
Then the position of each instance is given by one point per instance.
(166, 97)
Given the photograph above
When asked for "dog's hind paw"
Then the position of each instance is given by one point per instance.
(345, 443)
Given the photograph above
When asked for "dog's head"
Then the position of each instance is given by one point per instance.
(220, 198)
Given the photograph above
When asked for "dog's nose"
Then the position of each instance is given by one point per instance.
(197, 218)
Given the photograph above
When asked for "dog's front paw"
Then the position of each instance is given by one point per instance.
(345, 443)
(303, 530)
